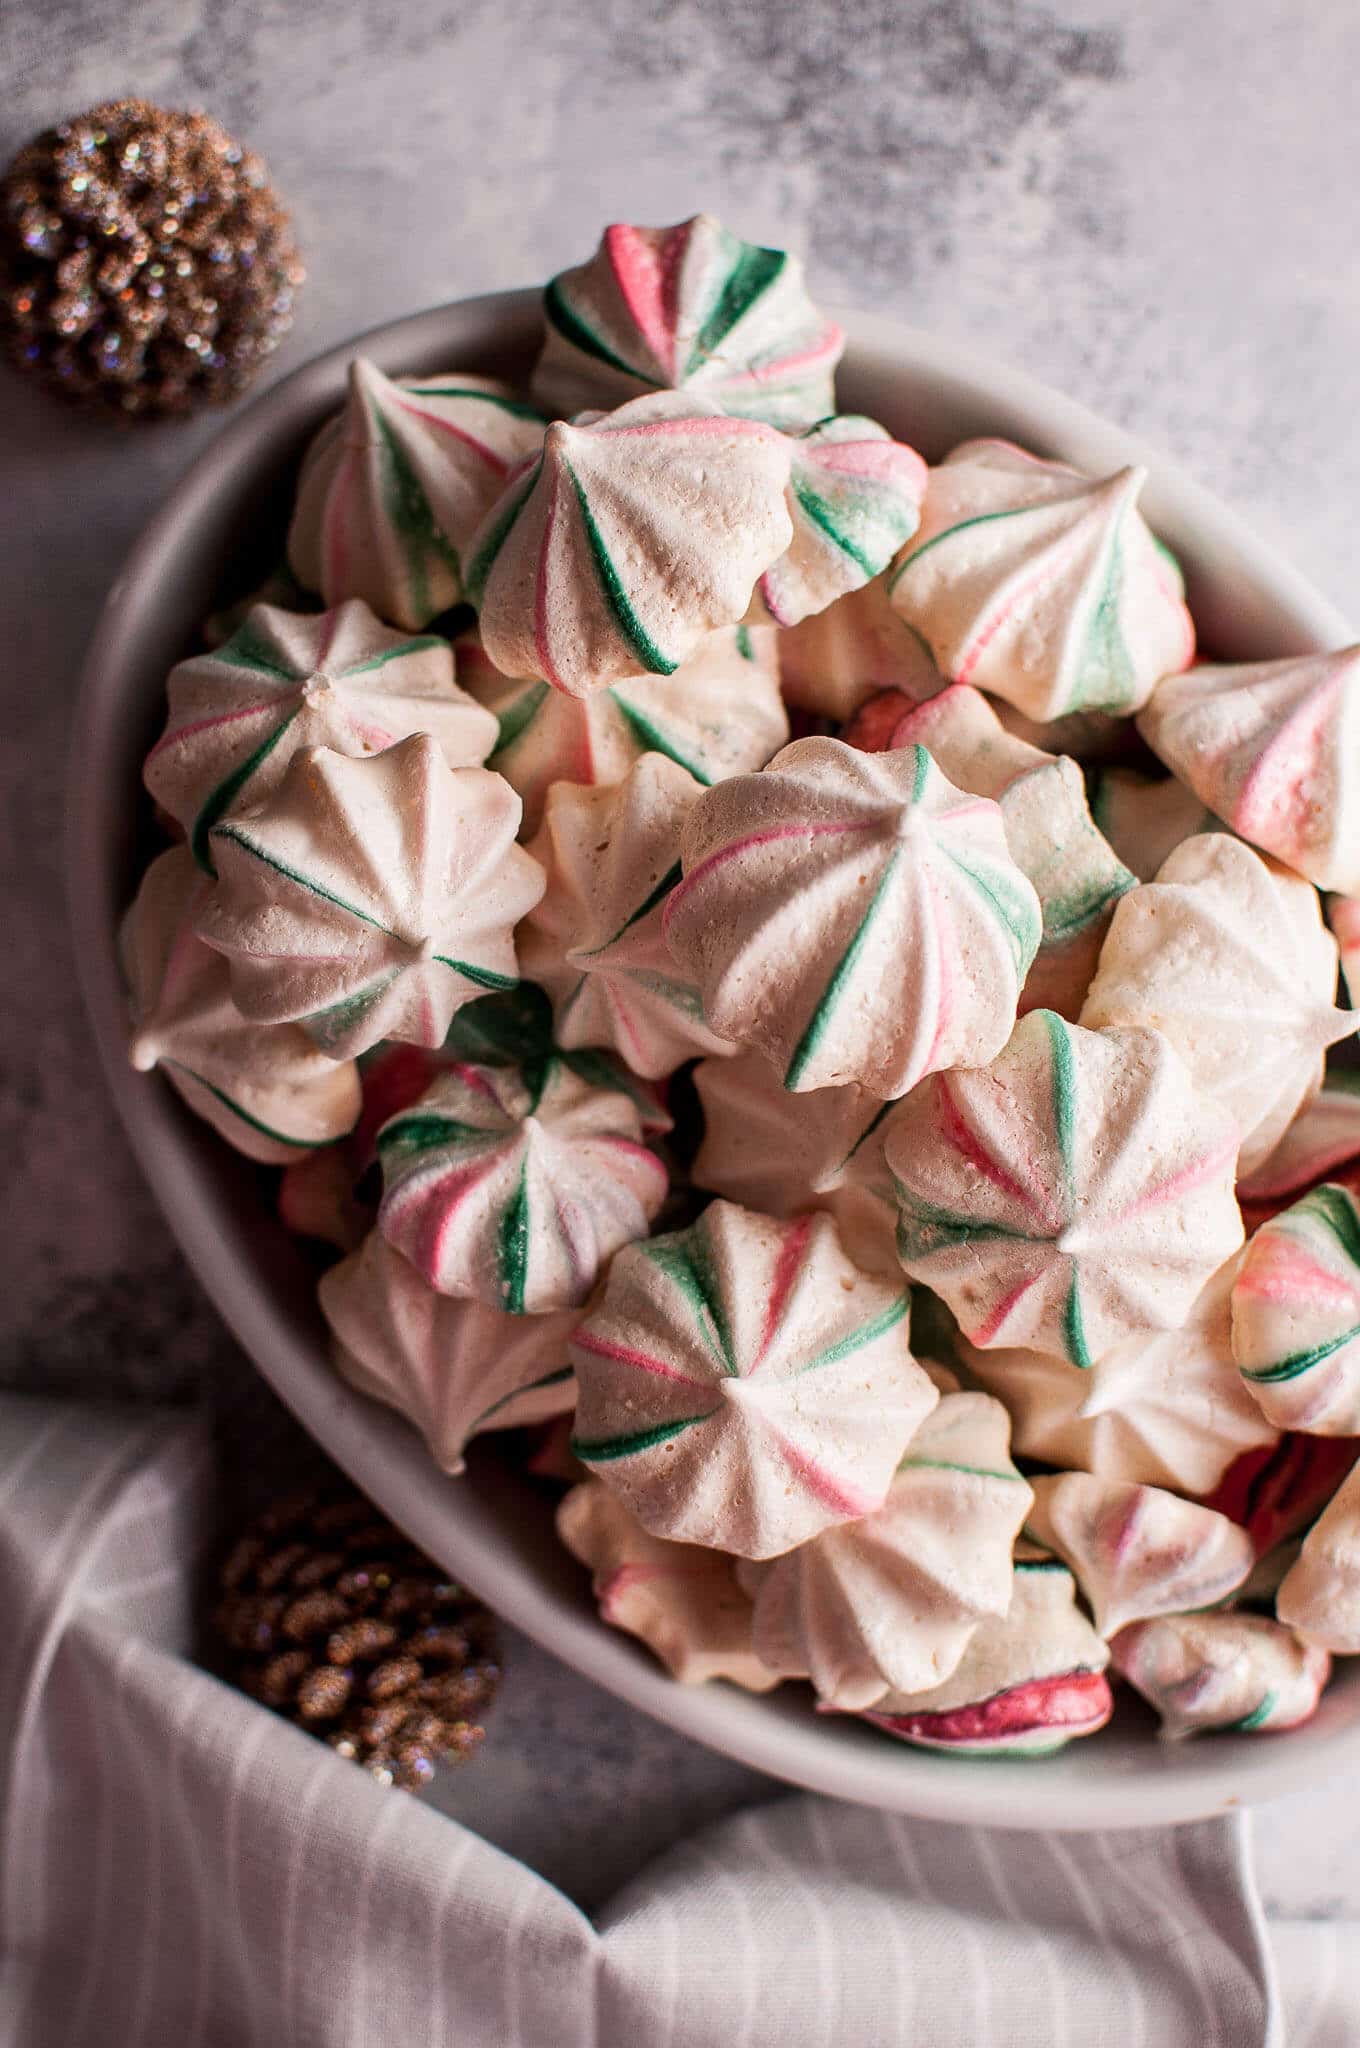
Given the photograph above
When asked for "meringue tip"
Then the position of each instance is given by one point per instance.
(143, 1052)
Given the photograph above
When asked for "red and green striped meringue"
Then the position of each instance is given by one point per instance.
(889, 1604)
(720, 714)
(595, 942)
(1231, 1674)
(1138, 1551)
(830, 662)
(684, 1602)
(1163, 1408)
(743, 1386)
(1226, 954)
(452, 1368)
(515, 1186)
(393, 487)
(1049, 830)
(1272, 748)
(853, 916)
(370, 898)
(1296, 1315)
(1071, 1193)
(1028, 1683)
(1320, 1594)
(1042, 585)
(1145, 820)
(854, 498)
(287, 680)
(690, 307)
(633, 536)
(263, 1087)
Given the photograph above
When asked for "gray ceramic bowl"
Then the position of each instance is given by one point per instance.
(224, 522)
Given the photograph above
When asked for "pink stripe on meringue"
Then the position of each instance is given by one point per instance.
(707, 426)
(767, 838)
(832, 1492)
(827, 346)
(640, 271)
(1285, 1278)
(187, 732)
(642, 1361)
(966, 1142)
(996, 1321)
(882, 461)
(1275, 777)
(1183, 1183)
(496, 463)
(1048, 567)
(786, 1273)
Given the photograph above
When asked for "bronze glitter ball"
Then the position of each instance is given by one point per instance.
(145, 262)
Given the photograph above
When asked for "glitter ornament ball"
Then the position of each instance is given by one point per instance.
(146, 264)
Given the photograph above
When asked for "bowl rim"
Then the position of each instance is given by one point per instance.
(1125, 1781)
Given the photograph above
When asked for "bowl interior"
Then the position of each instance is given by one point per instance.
(212, 540)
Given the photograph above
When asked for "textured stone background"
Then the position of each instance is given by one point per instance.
(1151, 207)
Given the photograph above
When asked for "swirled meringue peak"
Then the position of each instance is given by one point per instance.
(1145, 820)
(744, 1386)
(633, 536)
(287, 680)
(830, 662)
(1042, 585)
(393, 487)
(516, 1185)
(890, 1603)
(1028, 1682)
(1138, 1551)
(1296, 1315)
(720, 714)
(1163, 1408)
(1237, 1673)
(1228, 956)
(1320, 1594)
(453, 1368)
(683, 1601)
(854, 498)
(596, 942)
(688, 307)
(263, 1087)
(1273, 748)
(370, 898)
(854, 916)
(1075, 1191)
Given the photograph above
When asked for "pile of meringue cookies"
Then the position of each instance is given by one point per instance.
(908, 1147)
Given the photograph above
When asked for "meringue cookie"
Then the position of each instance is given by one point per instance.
(853, 916)
(1027, 1684)
(1273, 748)
(596, 941)
(287, 680)
(516, 1029)
(1145, 820)
(1277, 1492)
(516, 1185)
(720, 714)
(1320, 1595)
(1235, 1673)
(1042, 585)
(394, 485)
(1071, 1193)
(1230, 959)
(263, 1087)
(682, 1601)
(1296, 1315)
(890, 1603)
(453, 1368)
(854, 497)
(688, 307)
(368, 899)
(1138, 1551)
(1324, 1135)
(832, 661)
(634, 535)
(743, 1386)
(1164, 1408)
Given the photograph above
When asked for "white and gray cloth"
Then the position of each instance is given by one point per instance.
(178, 1866)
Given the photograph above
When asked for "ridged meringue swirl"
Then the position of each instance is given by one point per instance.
(1273, 748)
(1239, 1673)
(743, 1386)
(1296, 1315)
(693, 307)
(1042, 585)
(633, 536)
(263, 1087)
(287, 680)
(516, 1185)
(854, 916)
(1138, 1551)
(393, 487)
(1320, 1594)
(371, 898)
(854, 498)
(1073, 1192)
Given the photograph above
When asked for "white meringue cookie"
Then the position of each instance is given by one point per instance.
(743, 1386)
(1296, 1315)
(854, 497)
(1145, 820)
(263, 1087)
(830, 662)
(1042, 585)
(853, 916)
(1320, 1594)
(369, 899)
(1138, 1551)
(1236, 1673)
(453, 1368)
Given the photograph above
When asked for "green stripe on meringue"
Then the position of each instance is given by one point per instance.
(519, 716)
(479, 568)
(823, 516)
(512, 1245)
(750, 277)
(224, 796)
(561, 314)
(245, 649)
(598, 1450)
(649, 655)
(817, 1024)
(253, 1123)
(655, 741)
